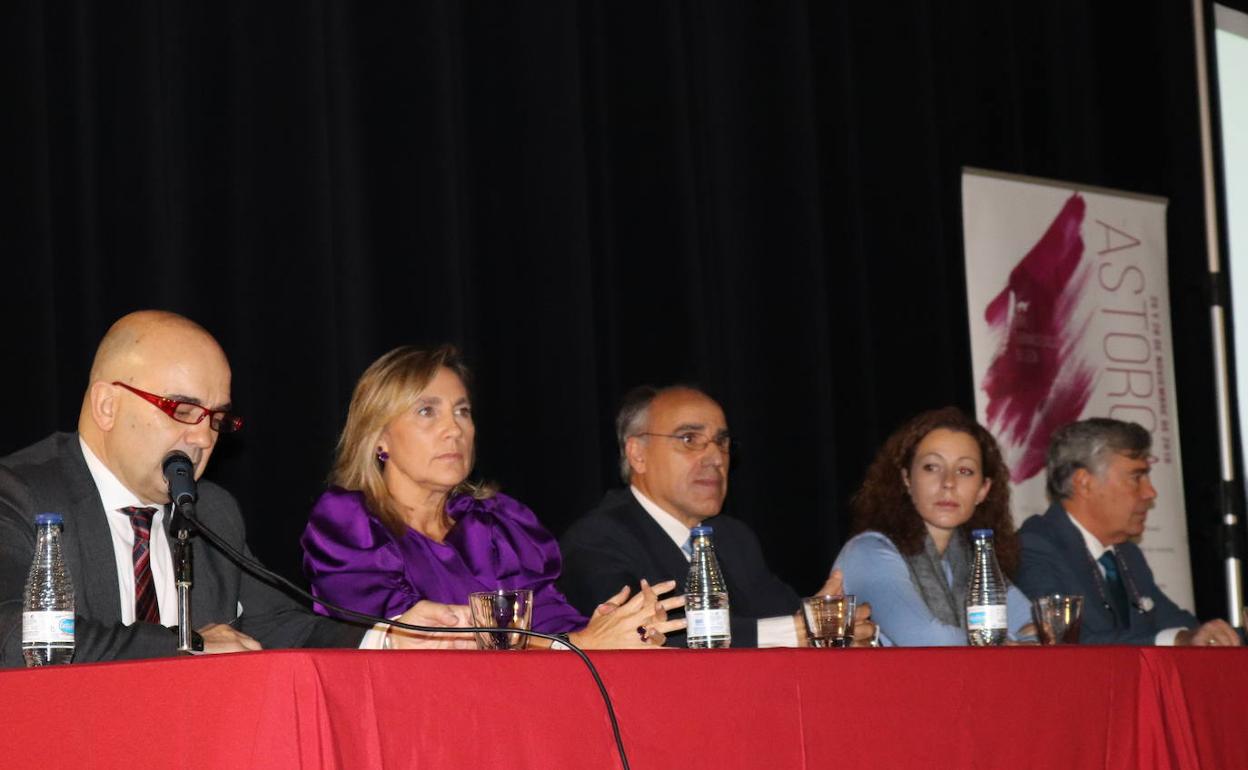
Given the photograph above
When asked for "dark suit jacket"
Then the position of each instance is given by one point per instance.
(618, 544)
(52, 476)
(1055, 559)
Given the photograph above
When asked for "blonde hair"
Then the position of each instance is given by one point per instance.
(389, 387)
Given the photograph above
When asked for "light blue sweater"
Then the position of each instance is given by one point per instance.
(876, 572)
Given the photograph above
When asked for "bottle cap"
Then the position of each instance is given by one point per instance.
(701, 529)
(979, 534)
(49, 518)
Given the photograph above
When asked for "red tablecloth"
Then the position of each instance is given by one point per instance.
(1071, 707)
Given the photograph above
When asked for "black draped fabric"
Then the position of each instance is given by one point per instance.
(759, 197)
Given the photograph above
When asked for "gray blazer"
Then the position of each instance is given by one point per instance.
(1056, 560)
(52, 476)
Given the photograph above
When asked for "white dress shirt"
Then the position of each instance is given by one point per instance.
(1166, 636)
(772, 632)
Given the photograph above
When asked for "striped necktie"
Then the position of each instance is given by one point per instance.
(146, 609)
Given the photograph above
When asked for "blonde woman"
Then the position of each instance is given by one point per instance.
(401, 524)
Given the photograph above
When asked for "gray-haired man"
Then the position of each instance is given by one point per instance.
(1100, 491)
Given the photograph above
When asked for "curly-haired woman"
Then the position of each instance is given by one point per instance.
(936, 478)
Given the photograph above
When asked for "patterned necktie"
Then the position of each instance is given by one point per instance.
(146, 609)
(1113, 581)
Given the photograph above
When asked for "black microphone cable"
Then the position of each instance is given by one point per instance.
(267, 575)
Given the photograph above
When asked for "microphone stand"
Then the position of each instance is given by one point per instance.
(183, 569)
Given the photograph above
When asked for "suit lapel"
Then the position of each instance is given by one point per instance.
(1089, 575)
(94, 571)
(667, 556)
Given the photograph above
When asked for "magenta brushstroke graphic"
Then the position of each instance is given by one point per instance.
(1038, 379)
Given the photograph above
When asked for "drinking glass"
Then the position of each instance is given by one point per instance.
(1057, 618)
(829, 620)
(504, 608)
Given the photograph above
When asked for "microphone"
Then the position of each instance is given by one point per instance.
(180, 476)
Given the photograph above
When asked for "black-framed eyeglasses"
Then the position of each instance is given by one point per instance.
(696, 442)
(188, 413)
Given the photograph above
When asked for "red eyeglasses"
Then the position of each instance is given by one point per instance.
(188, 413)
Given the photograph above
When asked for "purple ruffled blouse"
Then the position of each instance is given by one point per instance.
(351, 559)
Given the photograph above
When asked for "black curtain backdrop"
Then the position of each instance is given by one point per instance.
(762, 198)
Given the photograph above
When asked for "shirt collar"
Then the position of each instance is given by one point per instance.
(678, 532)
(1095, 546)
(113, 493)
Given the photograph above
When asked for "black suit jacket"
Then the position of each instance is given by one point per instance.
(1055, 559)
(52, 476)
(618, 544)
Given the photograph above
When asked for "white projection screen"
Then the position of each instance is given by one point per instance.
(1231, 50)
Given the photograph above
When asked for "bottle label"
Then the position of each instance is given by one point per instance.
(48, 627)
(707, 623)
(983, 617)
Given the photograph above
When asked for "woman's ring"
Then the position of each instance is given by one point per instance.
(641, 631)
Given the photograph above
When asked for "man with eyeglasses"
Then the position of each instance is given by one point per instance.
(159, 383)
(674, 449)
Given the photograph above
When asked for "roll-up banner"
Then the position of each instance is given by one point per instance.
(1070, 318)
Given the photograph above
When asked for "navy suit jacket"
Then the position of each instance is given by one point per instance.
(52, 476)
(618, 543)
(1055, 559)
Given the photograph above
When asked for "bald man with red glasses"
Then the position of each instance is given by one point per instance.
(159, 383)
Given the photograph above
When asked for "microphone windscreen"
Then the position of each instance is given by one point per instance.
(180, 476)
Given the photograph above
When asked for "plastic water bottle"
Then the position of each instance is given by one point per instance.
(706, 595)
(987, 622)
(48, 608)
